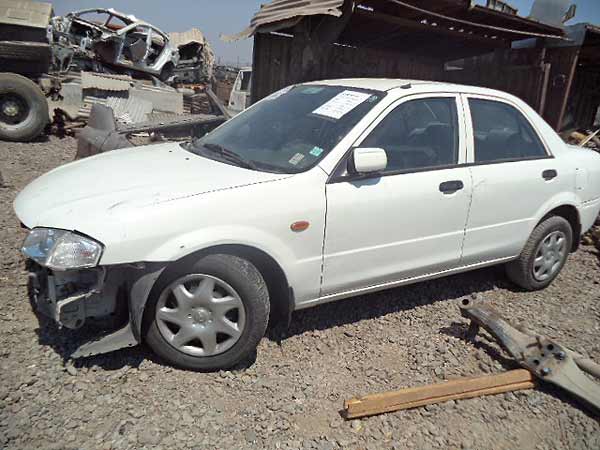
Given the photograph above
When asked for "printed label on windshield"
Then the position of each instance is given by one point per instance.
(341, 104)
(294, 160)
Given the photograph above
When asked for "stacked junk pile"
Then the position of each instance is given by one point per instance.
(107, 71)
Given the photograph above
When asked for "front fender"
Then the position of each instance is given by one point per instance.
(188, 243)
(300, 265)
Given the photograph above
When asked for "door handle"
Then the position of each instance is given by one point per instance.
(448, 187)
(549, 174)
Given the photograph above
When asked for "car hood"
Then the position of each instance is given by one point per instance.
(124, 179)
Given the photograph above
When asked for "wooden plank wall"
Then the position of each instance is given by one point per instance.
(541, 77)
(273, 67)
(563, 61)
(519, 72)
(584, 99)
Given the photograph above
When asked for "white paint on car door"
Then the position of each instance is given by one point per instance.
(396, 226)
(512, 177)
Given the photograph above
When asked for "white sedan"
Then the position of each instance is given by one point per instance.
(320, 191)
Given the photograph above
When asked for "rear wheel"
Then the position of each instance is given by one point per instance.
(544, 255)
(23, 108)
(209, 316)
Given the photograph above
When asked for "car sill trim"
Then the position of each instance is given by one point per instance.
(392, 284)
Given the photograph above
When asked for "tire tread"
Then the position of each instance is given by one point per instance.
(518, 271)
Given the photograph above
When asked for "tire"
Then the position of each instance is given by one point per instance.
(23, 108)
(527, 271)
(222, 276)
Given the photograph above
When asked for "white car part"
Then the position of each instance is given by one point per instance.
(369, 160)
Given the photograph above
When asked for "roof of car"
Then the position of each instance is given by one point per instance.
(411, 86)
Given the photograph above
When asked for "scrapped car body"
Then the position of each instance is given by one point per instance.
(117, 39)
(239, 99)
(321, 191)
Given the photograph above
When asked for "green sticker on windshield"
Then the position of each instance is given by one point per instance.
(316, 151)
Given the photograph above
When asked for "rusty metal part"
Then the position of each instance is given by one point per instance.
(545, 358)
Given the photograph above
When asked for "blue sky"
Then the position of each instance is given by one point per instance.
(231, 16)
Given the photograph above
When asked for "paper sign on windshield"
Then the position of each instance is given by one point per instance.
(341, 104)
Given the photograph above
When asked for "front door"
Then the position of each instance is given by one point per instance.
(410, 219)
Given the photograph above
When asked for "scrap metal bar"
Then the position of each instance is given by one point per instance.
(543, 357)
(437, 393)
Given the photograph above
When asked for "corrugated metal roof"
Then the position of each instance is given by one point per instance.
(129, 110)
(284, 10)
(105, 81)
(164, 99)
(185, 37)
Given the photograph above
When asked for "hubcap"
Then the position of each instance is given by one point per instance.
(10, 108)
(549, 256)
(13, 109)
(200, 315)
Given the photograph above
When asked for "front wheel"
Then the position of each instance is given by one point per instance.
(209, 316)
(544, 255)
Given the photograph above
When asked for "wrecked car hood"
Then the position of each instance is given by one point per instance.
(104, 185)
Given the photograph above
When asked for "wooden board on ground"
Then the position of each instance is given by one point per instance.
(436, 393)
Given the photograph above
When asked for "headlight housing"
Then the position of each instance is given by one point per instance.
(61, 249)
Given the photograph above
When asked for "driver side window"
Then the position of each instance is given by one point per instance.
(418, 134)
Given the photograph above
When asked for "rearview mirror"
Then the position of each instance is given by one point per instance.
(368, 160)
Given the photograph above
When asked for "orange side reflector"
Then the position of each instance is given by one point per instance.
(299, 226)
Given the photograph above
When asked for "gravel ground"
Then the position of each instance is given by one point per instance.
(290, 397)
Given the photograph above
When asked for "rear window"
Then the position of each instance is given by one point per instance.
(502, 133)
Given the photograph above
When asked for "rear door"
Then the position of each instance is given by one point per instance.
(513, 175)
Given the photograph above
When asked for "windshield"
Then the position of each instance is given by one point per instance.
(291, 130)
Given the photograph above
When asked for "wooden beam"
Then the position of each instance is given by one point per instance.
(436, 393)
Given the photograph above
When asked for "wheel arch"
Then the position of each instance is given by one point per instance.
(570, 213)
(281, 294)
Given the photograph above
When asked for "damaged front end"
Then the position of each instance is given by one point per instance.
(72, 295)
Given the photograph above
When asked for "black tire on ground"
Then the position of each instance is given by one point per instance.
(521, 270)
(33, 115)
(247, 281)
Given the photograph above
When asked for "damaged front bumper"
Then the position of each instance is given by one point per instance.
(71, 297)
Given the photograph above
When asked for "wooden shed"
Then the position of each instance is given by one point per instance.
(443, 40)
(302, 40)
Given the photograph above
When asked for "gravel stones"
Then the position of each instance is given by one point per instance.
(290, 397)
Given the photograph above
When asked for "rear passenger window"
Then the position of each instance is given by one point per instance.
(418, 134)
(502, 133)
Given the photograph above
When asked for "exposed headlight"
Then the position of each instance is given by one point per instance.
(60, 249)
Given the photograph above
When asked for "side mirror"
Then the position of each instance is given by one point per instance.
(368, 160)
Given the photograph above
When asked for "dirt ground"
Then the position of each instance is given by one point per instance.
(290, 396)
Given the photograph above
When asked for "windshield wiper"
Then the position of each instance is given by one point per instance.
(230, 156)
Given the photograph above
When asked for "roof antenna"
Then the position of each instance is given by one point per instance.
(406, 86)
